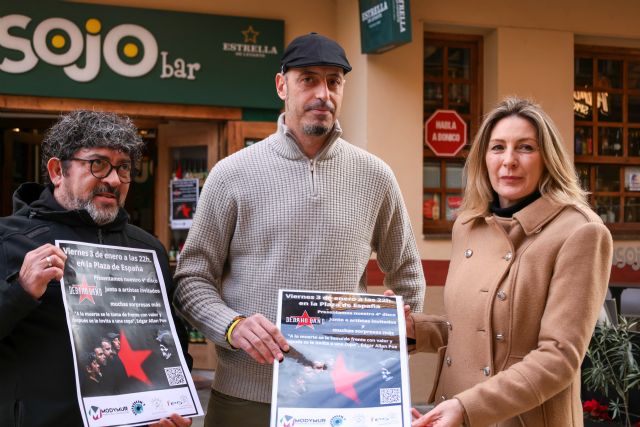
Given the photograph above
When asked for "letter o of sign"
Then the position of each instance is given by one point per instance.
(75, 41)
(110, 50)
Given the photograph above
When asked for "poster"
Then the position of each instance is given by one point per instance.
(347, 364)
(184, 198)
(632, 178)
(130, 369)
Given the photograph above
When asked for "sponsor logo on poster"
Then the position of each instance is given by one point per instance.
(337, 421)
(95, 412)
(287, 421)
(137, 407)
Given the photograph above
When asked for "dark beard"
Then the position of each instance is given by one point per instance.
(315, 130)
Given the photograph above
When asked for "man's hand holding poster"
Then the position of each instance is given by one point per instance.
(348, 361)
(130, 369)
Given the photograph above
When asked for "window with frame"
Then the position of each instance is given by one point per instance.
(452, 65)
(606, 105)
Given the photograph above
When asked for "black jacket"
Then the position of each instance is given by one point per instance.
(37, 380)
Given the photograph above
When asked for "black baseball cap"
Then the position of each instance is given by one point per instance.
(314, 49)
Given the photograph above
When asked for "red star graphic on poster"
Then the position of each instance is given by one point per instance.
(344, 380)
(305, 320)
(186, 210)
(133, 359)
(84, 290)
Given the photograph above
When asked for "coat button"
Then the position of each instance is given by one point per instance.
(508, 256)
(486, 371)
(443, 397)
(448, 361)
(502, 295)
(499, 337)
(468, 253)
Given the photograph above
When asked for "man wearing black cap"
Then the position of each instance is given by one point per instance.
(302, 209)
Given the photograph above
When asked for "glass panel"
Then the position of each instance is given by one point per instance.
(609, 73)
(634, 75)
(608, 208)
(632, 178)
(583, 105)
(431, 207)
(584, 72)
(609, 107)
(459, 99)
(433, 61)
(607, 178)
(634, 109)
(454, 175)
(632, 209)
(453, 203)
(584, 176)
(583, 141)
(432, 96)
(634, 142)
(610, 141)
(431, 175)
(459, 59)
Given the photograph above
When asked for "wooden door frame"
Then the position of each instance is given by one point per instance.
(238, 131)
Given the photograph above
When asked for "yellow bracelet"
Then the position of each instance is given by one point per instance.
(232, 325)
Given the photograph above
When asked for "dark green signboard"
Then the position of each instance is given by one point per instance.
(384, 24)
(59, 49)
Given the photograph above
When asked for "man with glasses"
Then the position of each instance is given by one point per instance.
(89, 158)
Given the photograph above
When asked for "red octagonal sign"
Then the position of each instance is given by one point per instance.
(445, 133)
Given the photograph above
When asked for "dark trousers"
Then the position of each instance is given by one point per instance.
(226, 411)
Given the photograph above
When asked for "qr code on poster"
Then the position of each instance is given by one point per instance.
(390, 395)
(175, 376)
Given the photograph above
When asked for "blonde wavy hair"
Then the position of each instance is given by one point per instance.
(559, 180)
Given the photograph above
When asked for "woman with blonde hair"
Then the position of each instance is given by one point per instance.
(529, 269)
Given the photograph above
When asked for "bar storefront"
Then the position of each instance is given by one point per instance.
(198, 86)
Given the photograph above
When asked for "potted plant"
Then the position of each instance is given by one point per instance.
(613, 353)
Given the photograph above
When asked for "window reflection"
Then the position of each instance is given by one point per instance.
(610, 141)
(583, 140)
(608, 208)
(459, 59)
(607, 178)
(609, 73)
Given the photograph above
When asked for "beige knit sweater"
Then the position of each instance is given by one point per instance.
(270, 218)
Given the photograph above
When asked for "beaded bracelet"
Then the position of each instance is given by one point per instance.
(234, 322)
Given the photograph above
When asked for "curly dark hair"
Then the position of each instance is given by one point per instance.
(85, 129)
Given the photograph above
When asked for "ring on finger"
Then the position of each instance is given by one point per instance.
(49, 263)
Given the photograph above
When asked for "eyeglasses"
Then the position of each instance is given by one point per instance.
(101, 168)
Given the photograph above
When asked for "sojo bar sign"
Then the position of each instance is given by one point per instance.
(445, 133)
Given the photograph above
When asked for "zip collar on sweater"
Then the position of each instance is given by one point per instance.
(286, 146)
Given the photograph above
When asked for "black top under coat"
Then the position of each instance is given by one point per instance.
(508, 212)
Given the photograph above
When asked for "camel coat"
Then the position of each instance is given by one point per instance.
(521, 300)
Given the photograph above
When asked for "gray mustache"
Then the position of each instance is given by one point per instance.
(106, 188)
(319, 104)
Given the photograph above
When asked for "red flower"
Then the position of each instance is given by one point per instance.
(590, 405)
(595, 410)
